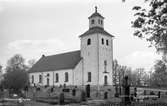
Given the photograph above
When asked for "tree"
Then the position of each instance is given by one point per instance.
(115, 72)
(16, 80)
(151, 23)
(14, 62)
(158, 78)
(16, 77)
(139, 77)
(118, 73)
(0, 71)
(31, 62)
(1, 75)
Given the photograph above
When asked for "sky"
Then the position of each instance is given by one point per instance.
(35, 27)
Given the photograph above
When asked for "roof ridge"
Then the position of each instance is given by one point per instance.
(63, 53)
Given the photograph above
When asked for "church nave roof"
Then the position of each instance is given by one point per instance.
(57, 62)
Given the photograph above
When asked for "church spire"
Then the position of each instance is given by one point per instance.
(96, 20)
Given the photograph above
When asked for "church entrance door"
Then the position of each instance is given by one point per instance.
(88, 90)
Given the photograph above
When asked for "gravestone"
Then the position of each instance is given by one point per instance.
(74, 92)
(135, 92)
(61, 98)
(66, 90)
(159, 94)
(106, 95)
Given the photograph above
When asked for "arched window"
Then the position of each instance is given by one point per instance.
(107, 42)
(66, 76)
(40, 78)
(105, 80)
(32, 79)
(92, 21)
(102, 41)
(47, 82)
(89, 76)
(89, 41)
(57, 77)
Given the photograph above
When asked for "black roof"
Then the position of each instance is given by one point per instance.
(57, 62)
(96, 30)
(95, 14)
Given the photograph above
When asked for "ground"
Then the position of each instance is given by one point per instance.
(44, 97)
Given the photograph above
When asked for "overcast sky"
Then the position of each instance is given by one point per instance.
(35, 27)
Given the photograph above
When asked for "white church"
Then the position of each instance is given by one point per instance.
(92, 64)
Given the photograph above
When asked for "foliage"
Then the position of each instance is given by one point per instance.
(151, 23)
(0, 67)
(0, 71)
(136, 77)
(31, 62)
(17, 61)
(140, 77)
(159, 76)
(119, 72)
(16, 77)
(115, 71)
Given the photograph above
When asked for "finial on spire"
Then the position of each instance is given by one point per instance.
(96, 9)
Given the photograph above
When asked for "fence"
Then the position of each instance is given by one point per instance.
(133, 104)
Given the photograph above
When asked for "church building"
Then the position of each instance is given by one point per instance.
(92, 64)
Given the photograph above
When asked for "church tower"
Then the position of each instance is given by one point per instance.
(97, 52)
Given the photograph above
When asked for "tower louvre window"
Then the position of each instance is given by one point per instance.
(102, 41)
(89, 76)
(107, 42)
(89, 41)
(99, 21)
(92, 21)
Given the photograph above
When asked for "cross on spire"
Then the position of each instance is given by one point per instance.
(96, 9)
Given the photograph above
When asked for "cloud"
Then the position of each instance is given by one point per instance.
(35, 48)
(1, 8)
(140, 59)
(34, 44)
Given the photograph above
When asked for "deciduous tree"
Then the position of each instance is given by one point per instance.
(151, 23)
(31, 62)
(16, 77)
(159, 76)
